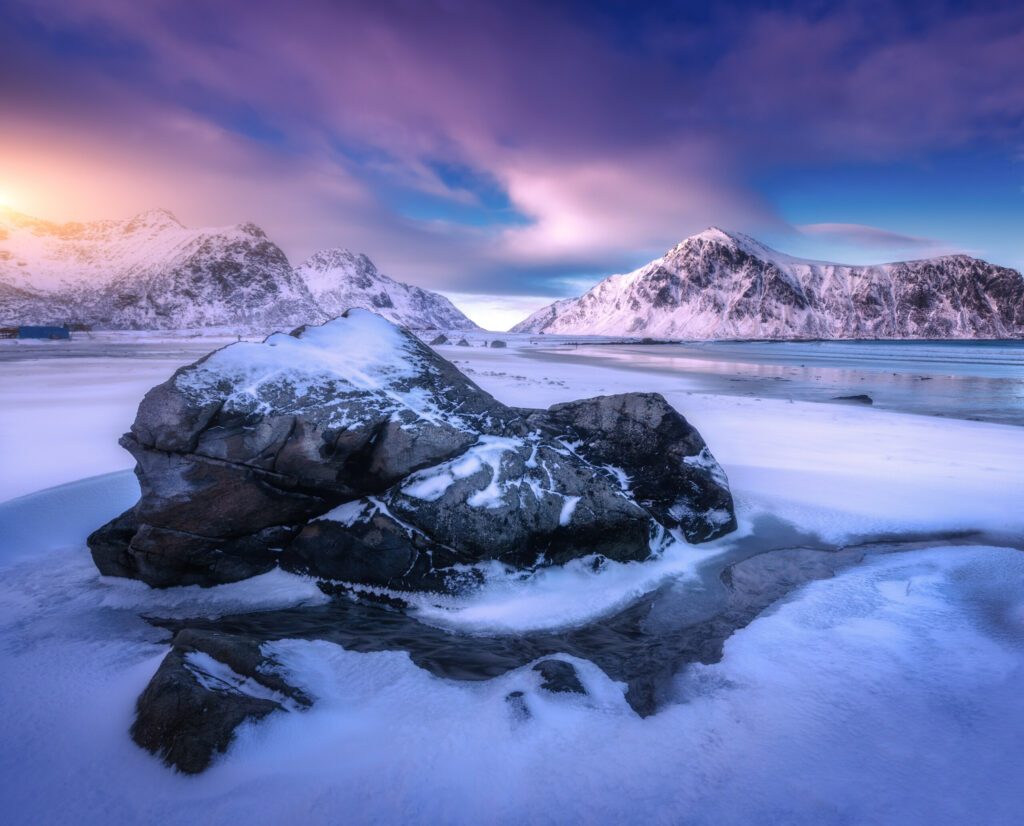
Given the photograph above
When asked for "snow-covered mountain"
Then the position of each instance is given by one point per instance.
(151, 272)
(339, 279)
(719, 285)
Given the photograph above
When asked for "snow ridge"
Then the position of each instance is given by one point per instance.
(724, 285)
(151, 272)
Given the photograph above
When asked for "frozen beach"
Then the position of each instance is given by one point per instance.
(885, 694)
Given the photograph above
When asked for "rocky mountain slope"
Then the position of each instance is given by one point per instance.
(151, 272)
(339, 279)
(727, 285)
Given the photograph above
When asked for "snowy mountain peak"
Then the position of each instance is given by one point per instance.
(338, 258)
(158, 218)
(726, 285)
(737, 241)
(715, 234)
(339, 279)
(152, 272)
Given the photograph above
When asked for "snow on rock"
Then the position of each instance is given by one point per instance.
(151, 272)
(720, 285)
(671, 471)
(354, 452)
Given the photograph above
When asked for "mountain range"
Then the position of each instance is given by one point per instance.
(722, 285)
(151, 272)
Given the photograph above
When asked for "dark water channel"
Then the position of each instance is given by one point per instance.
(644, 645)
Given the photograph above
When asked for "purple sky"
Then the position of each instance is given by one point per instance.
(507, 153)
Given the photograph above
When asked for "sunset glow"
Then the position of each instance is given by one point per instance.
(459, 164)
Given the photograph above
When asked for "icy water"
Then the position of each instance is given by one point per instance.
(981, 380)
(644, 646)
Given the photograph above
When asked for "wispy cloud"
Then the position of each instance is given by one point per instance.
(875, 238)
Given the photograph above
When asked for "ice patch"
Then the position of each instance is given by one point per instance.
(432, 483)
(621, 477)
(705, 461)
(347, 514)
(889, 694)
(213, 675)
(511, 602)
(568, 508)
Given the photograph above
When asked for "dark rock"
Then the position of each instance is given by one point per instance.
(109, 546)
(665, 462)
(354, 453)
(860, 398)
(498, 343)
(208, 685)
(462, 343)
(560, 677)
(438, 340)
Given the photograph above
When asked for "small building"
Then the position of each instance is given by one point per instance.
(8, 332)
(51, 333)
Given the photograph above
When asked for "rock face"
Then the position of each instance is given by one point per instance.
(353, 452)
(151, 272)
(719, 285)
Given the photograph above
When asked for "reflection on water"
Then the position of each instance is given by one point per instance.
(969, 380)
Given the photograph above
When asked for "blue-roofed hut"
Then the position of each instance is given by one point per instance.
(51, 333)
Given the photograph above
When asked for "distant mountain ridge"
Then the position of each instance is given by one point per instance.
(339, 279)
(150, 272)
(721, 285)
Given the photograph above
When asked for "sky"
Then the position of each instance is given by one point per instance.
(510, 153)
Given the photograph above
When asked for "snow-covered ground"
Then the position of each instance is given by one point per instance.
(889, 694)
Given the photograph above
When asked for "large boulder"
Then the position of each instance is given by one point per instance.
(353, 452)
(659, 458)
